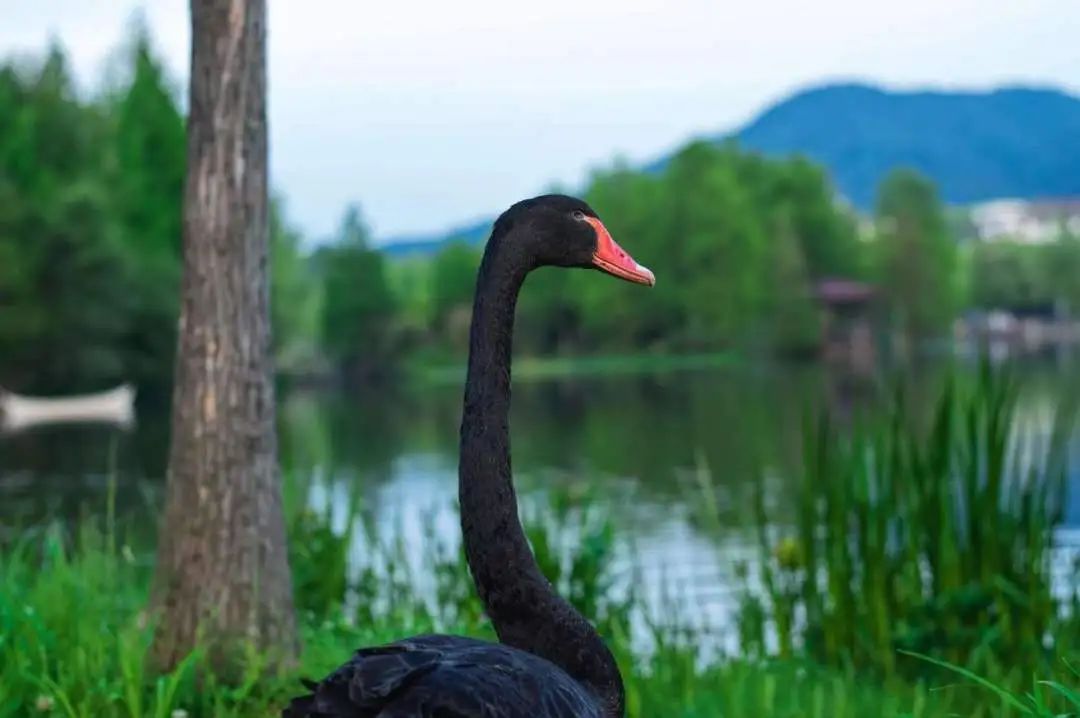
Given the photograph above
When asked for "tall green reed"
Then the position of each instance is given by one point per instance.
(936, 540)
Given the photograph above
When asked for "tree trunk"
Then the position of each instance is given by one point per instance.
(222, 573)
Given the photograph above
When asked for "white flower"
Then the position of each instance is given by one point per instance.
(179, 713)
(44, 703)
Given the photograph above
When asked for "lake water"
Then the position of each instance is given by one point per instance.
(637, 442)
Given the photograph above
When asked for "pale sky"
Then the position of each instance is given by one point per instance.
(435, 113)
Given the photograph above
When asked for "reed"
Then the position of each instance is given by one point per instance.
(906, 538)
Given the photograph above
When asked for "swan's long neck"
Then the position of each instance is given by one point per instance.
(522, 605)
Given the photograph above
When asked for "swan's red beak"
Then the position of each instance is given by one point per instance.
(611, 258)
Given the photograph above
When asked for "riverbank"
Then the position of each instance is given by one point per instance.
(532, 368)
(441, 368)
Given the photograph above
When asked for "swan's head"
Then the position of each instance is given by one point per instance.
(562, 231)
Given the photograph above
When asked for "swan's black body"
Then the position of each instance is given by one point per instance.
(549, 661)
(451, 676)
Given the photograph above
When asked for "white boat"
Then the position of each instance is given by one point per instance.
(116, 406)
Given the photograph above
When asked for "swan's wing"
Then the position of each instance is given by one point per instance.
(445, 677)
(363, 685)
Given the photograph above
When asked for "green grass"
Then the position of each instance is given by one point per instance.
(1046, 699)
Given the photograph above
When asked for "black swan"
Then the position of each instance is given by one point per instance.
(549, 660)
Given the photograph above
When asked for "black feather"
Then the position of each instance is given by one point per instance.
(445, 677)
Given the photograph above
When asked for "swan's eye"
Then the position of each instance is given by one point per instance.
(578, 215)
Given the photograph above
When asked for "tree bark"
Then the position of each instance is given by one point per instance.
(222, 573)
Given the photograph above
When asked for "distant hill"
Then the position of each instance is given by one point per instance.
(1012, 142)
(1015, 142)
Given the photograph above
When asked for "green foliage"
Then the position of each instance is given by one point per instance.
(1009, 275)
(91, 196)
(1014, 275)
(410, 281)
(358, 307)
(146, 180)
(453, 280)
(149, 158)
(917, 257)
(295, 296)
(722, 245)
(740, 238)
(795, 319)
(936, 541)
(1045, 700)
(1063, 270)
(65, 277)
(801, 201)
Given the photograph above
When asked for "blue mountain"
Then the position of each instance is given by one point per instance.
(1013, 142)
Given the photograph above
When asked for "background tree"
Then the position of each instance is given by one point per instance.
(630, 203)
(453, 279)
(918, 258)
(222, 570)
(295, 296)
(1010, 275)
(718, 243)
(1062, 271)
(801, 204)
(795, 320)
(146, 180)
(358, 306)
(58, 248)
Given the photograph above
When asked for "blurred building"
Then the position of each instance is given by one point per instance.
(847, 326)
(1029, 222)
